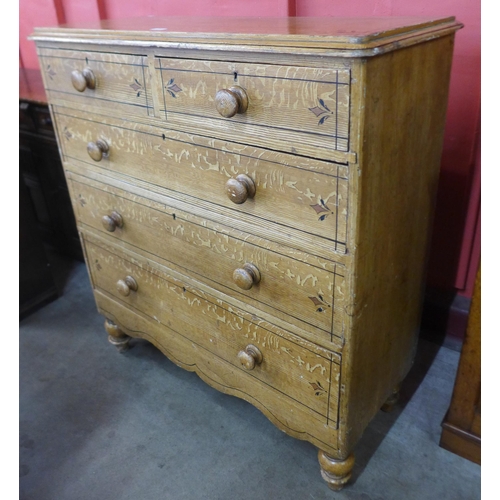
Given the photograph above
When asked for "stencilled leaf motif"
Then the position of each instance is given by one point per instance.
(172, 88)
(322, 103)
(318, 389)
(322, 111)
(82, 201)
(50, 72)
(317, 111)
(322, 208)
(316, 301)
(319, 303)
(136, 86)
(67, 133)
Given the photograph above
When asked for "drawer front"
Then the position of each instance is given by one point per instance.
(122, 81)
(290, 194)
(310, 376)
(312, 103)
(305, 295)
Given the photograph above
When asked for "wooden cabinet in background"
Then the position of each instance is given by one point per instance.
(41, 168)
(462, 424)
(36, 283)
(254, 197)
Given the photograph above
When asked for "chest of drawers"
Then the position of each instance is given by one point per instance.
(254, 197)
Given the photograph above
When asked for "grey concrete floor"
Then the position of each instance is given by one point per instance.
(96, 424)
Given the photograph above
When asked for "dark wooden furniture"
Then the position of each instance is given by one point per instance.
(462, 424)
(36, 284)
(41, 168)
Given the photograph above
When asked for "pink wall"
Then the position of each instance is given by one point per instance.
(455, 249)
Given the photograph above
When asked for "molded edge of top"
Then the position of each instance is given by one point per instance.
(357, 36)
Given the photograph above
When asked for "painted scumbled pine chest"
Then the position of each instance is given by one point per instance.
(255, 196)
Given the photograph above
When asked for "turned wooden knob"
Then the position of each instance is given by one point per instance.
(97, 149)
(127, 285)
(241, 188)
(230, 101)
(250, 357)
(82, 80)
(112, 221)
(247, 276)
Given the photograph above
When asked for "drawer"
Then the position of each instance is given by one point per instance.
(121, 81)
(302, 293)
(302, 371)
(308, 195)
(254, 101)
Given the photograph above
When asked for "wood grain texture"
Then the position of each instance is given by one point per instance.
(398, 172)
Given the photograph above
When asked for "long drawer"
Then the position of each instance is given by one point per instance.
(284, 411)
(304, 294)
(307, 105)
(308, 195)
(121, 81)
(302, 371)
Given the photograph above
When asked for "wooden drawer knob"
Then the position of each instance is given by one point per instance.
(247, 276)
(97, 149)
(127, 285)
(250, 357)
(241, 188)
(230, 101)
(112, 221)
(82, 80)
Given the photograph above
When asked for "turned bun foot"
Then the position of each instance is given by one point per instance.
(335, 472)
(116, 337)
(389, 405)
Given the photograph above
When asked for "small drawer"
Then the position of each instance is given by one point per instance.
(267, 187)
(300, 370)
(102, 80)
(254, 102)
(302, 293)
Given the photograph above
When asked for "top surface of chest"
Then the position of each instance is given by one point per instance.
(296, 32)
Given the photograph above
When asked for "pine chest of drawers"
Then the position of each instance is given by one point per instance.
(254, 197)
